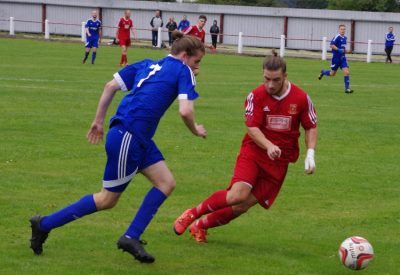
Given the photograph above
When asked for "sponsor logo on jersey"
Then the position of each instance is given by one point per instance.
(293, 109)
(279, 123)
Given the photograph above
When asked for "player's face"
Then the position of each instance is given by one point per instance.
(127, 14)
(201, 23)
(194, 61)
(94, 14)
(342, 30)
(274, 81)
(390, 29)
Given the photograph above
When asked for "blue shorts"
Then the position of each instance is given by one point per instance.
(126, 155)
(92, 43)
(339, 62)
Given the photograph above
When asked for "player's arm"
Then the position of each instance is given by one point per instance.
(186, 110)
(87, 31)
(96, 130)
(100, 34)
(259, 138)
(311, 142)
(133, 30)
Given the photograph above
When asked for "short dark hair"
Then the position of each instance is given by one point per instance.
(342, 25)
(274, 62)
(203, 17)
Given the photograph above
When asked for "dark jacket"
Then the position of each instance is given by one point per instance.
(214, 30)
(171, 26)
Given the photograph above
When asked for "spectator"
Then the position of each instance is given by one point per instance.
(214, 31)
(184, 24)
(389, 41)
(156, 22)
(171, 26)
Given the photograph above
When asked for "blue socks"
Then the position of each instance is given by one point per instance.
(83, 207)
(326, 72)
(86, 56)
(147, 210)
(346, 82)
(93, 56)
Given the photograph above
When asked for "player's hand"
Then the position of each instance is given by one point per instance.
(95, 134)
(116, 40)
(89, 35)
(309, 163)
(274, 152)
(201, 131)
(340, 50)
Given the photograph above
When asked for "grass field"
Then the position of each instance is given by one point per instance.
(47, 102)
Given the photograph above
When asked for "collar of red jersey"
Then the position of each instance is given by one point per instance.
(285, 94)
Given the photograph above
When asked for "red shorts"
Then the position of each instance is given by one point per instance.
(265, 176)
(124, 41)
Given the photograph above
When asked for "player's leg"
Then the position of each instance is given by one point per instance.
(390, 54)
(346, 77)
(87, 51)
(123, 54)
(118, 173)
(157, 172)
(220, 217)
(94, 54)
(331, 72)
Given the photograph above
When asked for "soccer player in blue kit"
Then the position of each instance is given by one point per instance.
(153, 86)
(93, 36)
(338, 46)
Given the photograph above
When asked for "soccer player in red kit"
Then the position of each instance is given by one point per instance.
(123, 35)
(274, 112)
(198, 30)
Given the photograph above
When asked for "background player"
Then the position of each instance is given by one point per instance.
(274, 112)
(389, 42)
(338, 46)
(123, 35)
(93, 36)
(198, 30)
(154, 85)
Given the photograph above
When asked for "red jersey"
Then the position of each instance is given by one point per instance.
(279, 119)
(124, 28)
(194, 31)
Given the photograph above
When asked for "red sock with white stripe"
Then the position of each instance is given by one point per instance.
(213, 203)
(217, 218)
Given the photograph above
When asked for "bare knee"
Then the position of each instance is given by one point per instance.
(239, 193)
(106, 199)
(166, 185)
(240, 209)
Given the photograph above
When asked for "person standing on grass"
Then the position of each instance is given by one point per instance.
(155, 23)
(338, 46)
(153, 86)
(198, 31)
(389, 42)
(274, 112)
(183, 24)
(171, 26)
(214, 31)
(123, 35)
(93, 36)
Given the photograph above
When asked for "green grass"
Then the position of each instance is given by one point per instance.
(47, 102)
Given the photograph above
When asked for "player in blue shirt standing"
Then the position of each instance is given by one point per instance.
(153, 86)
(338, 46)
(93, 36)
(389, 42)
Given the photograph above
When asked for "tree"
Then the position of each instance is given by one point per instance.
(365, 5)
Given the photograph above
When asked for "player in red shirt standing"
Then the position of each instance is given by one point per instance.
(274, 113)
(198, 31)
(123, 35)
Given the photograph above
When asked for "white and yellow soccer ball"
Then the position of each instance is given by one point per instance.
(356, 253)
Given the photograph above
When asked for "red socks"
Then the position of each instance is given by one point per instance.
(124, 59)
(213, 203)
(217, 218)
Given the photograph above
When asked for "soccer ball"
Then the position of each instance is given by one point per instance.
(356, 253)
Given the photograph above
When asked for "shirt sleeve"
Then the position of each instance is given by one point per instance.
(333, 41)
(254, 114)
(308, 115)
(126, 76)
(87, 24)
(187, 30)
(187, 84)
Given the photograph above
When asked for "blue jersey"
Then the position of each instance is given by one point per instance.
(390, 39)
(94, 27)
(340, 42)
(183, 25)
(153, 86)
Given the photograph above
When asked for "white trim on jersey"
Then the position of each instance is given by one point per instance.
(182, 96)
(120, 82)
(114, 183)
(311, 112)
(192, 75)
(123, 154)
(285, 94)
(250, 105)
